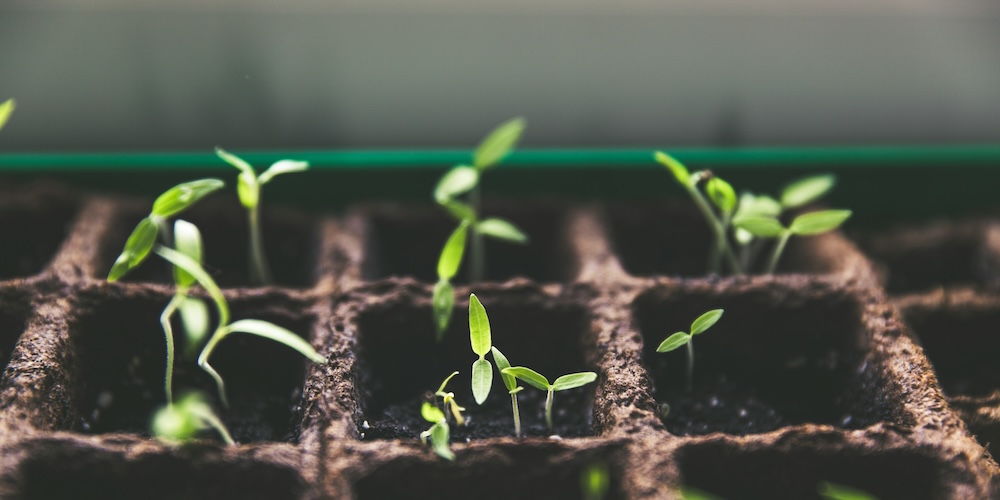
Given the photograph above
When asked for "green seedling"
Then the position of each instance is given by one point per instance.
(479, 335)
(512, 388)
(6, 108)
(563, 383)
(595, 481)
(225, 328)
(248, 187)
(699, 326)
(439, 433)
(181, 421)
(808, 224)
(172, 202)
(722, 196)
(448, 401)
(833, 491)
(464, 180)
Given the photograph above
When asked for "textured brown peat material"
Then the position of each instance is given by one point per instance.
(575, 302)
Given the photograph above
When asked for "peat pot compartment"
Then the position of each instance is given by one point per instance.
(401, 365)
(672, 238)
(13, 321)
(933, 255)
(407, 241)
(33, 229)
(291, 245)
(73, 470)
(120, 352)
(963, 347)
(775, 358)
(734, 472)
(516, 471)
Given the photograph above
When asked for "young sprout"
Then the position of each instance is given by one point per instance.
(512, 387)
(833, 491)
(6, 108)
(225, 328)
(439, 433)
(172, 202)
(721, 195)
(464, 180)
(563, 383)
(808, 224)
(704, 322)
(448, 400)
(181, 421)
(248, 187)
(479, 335)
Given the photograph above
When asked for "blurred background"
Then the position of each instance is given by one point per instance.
(99, 75)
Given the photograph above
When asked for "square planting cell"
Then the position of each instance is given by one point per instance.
(401, 365)
(120, 358)
(672, 238)
(506, 471)
(731, 471)
(13, 318)
(962, 344)
(777, 357)
(34, 226)
(291, 244)
(407, 241)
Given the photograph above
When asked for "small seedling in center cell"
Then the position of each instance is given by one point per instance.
(181, 421)
(248, 187)
(808, 224)
(439, 433)
(563, 383)
(479, 335)
(448, 401)
(699, 326)
(460, 181)
(512, 388)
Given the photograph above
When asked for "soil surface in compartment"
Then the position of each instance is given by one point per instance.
(120, 357)
(291, 244)
(779, 356)
(401, 365)
(35, 223)
(774, 472)
(407, 241)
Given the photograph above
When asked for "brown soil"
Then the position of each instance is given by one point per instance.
(808, 377)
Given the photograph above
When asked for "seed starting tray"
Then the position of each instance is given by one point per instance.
(814, 374)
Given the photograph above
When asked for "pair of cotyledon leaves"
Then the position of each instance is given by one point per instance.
(698, 326)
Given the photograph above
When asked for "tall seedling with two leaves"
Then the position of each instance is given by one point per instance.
(482, 371)
(808, 224)
(464, 180)
(248, 187)
(698, 326)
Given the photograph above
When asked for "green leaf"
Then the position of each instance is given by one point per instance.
(187, 239)
(175, 423)
(705, 321)
(137, 247)
(248, 190)
(807, 190)
(282, 167)
(194, 316)
(445, 383)
(677, 168)
(496, 145)
(501, 229)
(508, 380)
(482, 380)
(818, 222)
(444, 302)
(194, 269)
(764, 227)
(455, 182)
(573, 380)
(5, 111)
(833, 491)
(439, 441)
(673, 342)
(180, 197)
(529, 376)
(721, 194)
(277, 334)
(451, 254)
(763, 206)
(461, 211)
(595, 481)
(431, 413)
(479, 327)
(235, 161)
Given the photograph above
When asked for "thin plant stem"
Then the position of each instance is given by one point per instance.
(477, 261)
(721, 244)
(259, 272)
(217, 337)
(548, 409)
(216, 424)
(690, 367)
(780, 247)
(168, 333)
(517, 415)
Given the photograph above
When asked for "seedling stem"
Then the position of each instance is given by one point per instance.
(565, 382)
